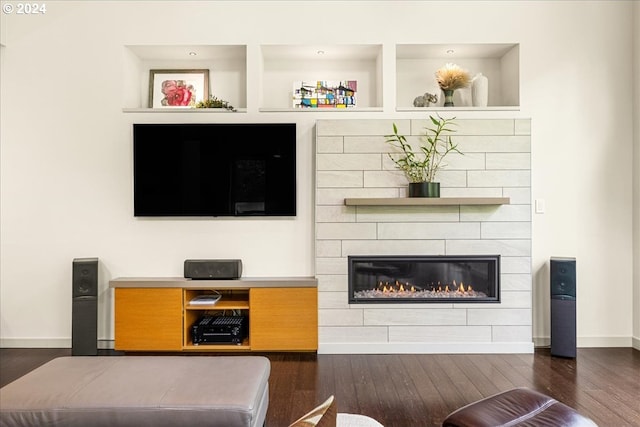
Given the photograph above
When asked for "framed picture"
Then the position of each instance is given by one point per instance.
(177, 88)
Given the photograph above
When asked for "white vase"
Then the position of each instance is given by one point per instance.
(480, 90)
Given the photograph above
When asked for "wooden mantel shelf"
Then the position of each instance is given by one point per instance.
(427, 201)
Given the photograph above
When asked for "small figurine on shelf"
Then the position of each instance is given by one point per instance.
(425, 100)
(214, 102)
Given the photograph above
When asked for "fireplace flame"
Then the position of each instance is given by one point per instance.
(464, 290)
(397, 289)
(406, 289)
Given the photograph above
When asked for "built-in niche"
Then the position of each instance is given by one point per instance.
(282, 65)
(416, 65)
(227, 65)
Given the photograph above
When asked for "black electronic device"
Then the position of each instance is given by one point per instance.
(216, 269)
(563, 278)
(219, 330)
(84, 307)
(214, 169)
(85, 277)
(563, 307)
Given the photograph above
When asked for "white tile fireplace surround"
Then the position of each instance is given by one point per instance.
(352, 162)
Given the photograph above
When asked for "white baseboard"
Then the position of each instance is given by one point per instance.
(586, 342)
(541, 341)
(35, 343)
(375, 348)
(48, 343)
(106, 344)
(424, 348)
(604, 342)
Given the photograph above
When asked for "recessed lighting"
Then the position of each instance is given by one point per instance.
(320, 52)
(450, 51)
(192, 53)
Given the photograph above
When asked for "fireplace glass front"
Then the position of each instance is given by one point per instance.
(419, 279)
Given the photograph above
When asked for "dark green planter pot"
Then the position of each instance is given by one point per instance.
(448, 98)
(424, 189)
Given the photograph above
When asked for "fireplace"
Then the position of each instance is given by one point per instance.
(420, 279)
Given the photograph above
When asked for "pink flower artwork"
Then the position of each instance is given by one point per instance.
(177, 93)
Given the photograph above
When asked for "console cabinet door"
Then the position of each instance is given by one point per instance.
(148, 319)
(283, 319)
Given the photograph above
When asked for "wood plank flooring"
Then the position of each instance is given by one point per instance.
(420, 390)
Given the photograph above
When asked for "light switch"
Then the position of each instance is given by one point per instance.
(540, 206)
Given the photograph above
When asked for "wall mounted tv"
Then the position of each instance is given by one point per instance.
(244, 169)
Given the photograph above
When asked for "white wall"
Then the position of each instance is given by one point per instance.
(3, 28)
(66, 145)
(636, 176)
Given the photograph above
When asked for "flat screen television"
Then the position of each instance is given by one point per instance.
(246, 169)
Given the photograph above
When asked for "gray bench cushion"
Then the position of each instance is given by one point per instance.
(224, 391)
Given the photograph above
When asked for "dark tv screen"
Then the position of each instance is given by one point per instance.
(214, 169)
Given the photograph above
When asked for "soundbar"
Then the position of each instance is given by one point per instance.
(216, 269)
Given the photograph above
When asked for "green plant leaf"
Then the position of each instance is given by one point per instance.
(436, 143)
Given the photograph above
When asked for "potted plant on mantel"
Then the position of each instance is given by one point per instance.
(421, 167)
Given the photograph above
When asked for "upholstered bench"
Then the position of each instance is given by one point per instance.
(517, 407)
(116, 391)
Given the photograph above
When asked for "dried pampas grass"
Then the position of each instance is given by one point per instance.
(452, 77)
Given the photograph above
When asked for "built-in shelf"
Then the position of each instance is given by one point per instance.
(184, 110)
(427, 201)
(451, 109)
(321, 110)
(263, 76)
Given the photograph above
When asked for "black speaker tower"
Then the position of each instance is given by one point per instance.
(84, 318)
(563, 307)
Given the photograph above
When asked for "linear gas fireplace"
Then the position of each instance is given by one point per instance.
(419, 279)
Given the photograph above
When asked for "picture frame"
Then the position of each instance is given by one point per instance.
(178, 88)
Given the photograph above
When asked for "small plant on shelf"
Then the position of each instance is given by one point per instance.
(214, 102)
(450, 78)
(421, 166)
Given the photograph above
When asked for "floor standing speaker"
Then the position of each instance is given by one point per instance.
(84, 317)
(563, 307)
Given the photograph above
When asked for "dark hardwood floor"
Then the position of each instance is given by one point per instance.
(420, 390)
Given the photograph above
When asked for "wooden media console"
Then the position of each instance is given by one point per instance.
(156, 314)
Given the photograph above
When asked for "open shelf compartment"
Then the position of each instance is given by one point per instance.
(416, 65)
(232, 302)
(282, 65)
(227, 65)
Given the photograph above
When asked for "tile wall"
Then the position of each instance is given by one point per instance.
(351, 162)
